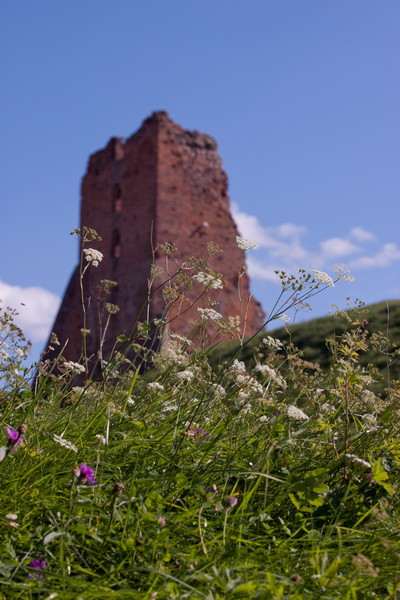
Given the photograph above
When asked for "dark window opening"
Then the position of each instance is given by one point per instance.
(116, 198)
(116, 245)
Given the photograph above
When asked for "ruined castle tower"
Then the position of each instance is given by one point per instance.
(163, 184)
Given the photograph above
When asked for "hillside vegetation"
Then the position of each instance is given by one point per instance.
(276, 479)
(316, 337)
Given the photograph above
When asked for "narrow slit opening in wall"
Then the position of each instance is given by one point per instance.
(116, 245)
(116, 198)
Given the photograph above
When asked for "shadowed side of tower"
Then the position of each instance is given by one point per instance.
(163, 184)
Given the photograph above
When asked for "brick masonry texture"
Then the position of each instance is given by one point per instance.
(163, 184)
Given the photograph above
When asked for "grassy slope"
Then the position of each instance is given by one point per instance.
(310, 337)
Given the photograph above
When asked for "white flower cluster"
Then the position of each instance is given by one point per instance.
(263, 419)
(208, 280)
(218, 391)
(180, 338)
(323, 278)
(358, 460)
(93, 256)
(238, 365)
(249, 386)
(267, 371)
(186, 375)
(272, 343)
(69, 365)
(284, 318)
(245, 244)
(154, 385)
(65, 443)
(209, 313)
(172, 355)
(343, 273)
(370, 420)
(296, 413)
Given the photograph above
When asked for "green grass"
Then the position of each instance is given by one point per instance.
(274, 479)
(309, 522)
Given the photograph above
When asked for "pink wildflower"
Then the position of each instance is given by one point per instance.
(14, 437)
(38, 564)
(86, 472)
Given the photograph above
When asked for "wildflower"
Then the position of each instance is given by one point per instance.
(370, 420)
(65, 443)
(271, 374)
(194, 431)
(213, 490)
(238, 365)
(161, 521)
(154, 385)
(296, 413)
(208, 280)
(343, 273)
(185, 375)
(231, 502)
(69, 365)
(209, 313)
(245, 244)
(284, 318)
(323, 278)
(365, 565)
(93, 256)
(263, 419)
(218, 390)
(180, 338)
(358, 460)
(15, 438)
(38, 564)
(11, 517)
(272, 343)
(84, 472)
(118, 488)
(101, 438)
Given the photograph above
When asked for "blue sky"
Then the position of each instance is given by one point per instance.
(302, 98)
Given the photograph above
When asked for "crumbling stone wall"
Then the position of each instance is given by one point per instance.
(163, 184)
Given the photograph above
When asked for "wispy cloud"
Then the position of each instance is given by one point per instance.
(387, 255)
(36, 306)
(283, 247)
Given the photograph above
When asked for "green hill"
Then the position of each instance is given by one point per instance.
(310, 337)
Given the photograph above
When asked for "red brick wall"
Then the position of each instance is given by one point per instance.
(168, 181)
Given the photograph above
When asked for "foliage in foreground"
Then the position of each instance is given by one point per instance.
(314, 338)
(180, 482)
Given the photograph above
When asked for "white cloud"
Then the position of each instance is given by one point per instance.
(388, 254)
(282, 248)
(36, 306)
(361, 235)
(260, 270)
(335, 247)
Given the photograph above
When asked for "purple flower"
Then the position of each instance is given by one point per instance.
(213, 490)
(86, 472)
(38, 564)
(231, 502)
(162, 521)
(14, 438)
(200, 431)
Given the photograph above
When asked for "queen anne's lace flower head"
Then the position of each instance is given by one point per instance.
(208, 280)
(209, 313)
(296, 413)
(94, 257)
(245, 244)
(69, 365)
(323, 278)
(65, 443)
